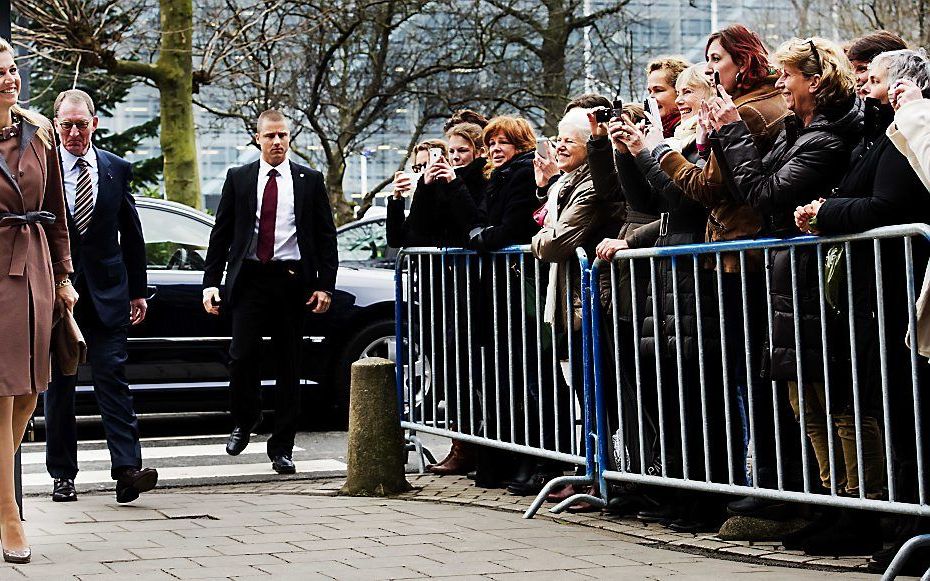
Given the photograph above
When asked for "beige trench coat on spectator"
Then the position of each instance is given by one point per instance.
(29, 255)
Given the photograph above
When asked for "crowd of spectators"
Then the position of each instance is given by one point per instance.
(813, 138)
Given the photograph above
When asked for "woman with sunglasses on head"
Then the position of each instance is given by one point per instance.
(809, 156)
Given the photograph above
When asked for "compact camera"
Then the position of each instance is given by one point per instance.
(605, 115)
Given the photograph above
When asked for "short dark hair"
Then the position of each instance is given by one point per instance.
(587, 101)
(74, 96)
(269, 115)
(865, 48)
(465, 116)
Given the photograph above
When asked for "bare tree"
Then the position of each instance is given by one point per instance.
(372, 67)
(544, 37)
(113, 36)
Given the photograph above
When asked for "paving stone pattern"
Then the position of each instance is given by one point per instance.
(301, 530)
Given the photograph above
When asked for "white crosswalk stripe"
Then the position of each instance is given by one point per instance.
(152, 452)
(183, 473)
(178, 460)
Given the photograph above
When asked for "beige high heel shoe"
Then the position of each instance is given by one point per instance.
(20, 557)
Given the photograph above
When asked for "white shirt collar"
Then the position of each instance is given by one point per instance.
(68, 159)
(284, 168)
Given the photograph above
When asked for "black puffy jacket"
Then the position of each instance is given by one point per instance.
(880, 189)
(805, 163)
(441, 214)
(682, 221)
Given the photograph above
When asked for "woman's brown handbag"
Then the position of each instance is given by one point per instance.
(68, 345)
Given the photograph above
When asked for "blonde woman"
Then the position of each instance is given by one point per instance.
(36, 261)
(808, 159)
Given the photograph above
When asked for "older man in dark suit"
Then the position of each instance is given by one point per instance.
(275, 237)
(108, 252)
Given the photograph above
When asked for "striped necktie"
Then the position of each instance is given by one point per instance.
(83, 197)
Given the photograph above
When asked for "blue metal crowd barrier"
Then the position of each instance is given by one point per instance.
(434, 327)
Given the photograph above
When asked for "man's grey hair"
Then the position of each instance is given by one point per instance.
(905, 64)
(75, 96)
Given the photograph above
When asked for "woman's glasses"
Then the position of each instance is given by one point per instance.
(418, 167)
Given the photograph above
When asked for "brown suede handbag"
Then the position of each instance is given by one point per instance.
(68, 346)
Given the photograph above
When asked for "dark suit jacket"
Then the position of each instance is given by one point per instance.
(109, 261)
(235, 227)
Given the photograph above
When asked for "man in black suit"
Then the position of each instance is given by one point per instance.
(275, 237)
(108, 252)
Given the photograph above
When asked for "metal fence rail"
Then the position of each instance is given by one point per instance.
(477, 362)
(817, 331)
(770, 368)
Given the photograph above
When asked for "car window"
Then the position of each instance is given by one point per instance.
(366, 241)
(173, 241)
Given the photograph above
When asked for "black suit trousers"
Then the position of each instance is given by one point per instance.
(106, 353)
(269, 302)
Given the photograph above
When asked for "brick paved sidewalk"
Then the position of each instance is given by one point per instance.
(298, 530)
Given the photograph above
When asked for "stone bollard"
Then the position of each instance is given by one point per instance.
(376, 441)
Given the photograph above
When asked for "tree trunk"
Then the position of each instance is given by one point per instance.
(175, 86)
(335, 173)
(552, 56)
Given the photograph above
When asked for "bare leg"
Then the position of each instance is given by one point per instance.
(11, 528)
(23, 408)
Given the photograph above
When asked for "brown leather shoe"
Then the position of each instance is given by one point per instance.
(461, 460)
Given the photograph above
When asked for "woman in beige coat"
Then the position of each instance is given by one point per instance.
(35, 259)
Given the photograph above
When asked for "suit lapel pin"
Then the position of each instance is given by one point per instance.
(109, 176)
(301, 175)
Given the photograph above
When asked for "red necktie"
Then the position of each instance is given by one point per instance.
(265, 249)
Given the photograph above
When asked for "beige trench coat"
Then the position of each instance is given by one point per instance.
(29, 255)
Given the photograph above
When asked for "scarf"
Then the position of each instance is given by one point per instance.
(669, 122)
(685, 134)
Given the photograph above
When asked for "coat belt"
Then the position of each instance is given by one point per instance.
(23, 222)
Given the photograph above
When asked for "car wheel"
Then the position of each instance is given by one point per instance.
(378, 340)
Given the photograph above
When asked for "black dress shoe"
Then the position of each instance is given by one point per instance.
(759, 507)
(283, 465)
(239, 438)
(663, 515)
(132, 482)
(63, 490)
(688, 525)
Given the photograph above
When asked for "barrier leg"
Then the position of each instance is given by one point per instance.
(423, 454)
(549, 487)
(904, 553)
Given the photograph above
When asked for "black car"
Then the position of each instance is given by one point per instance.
(364, 243)
(178, 355)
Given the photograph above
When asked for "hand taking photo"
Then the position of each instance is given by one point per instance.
(544, 168)
(440, 171)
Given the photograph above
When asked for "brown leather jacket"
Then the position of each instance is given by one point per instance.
(763, 110)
